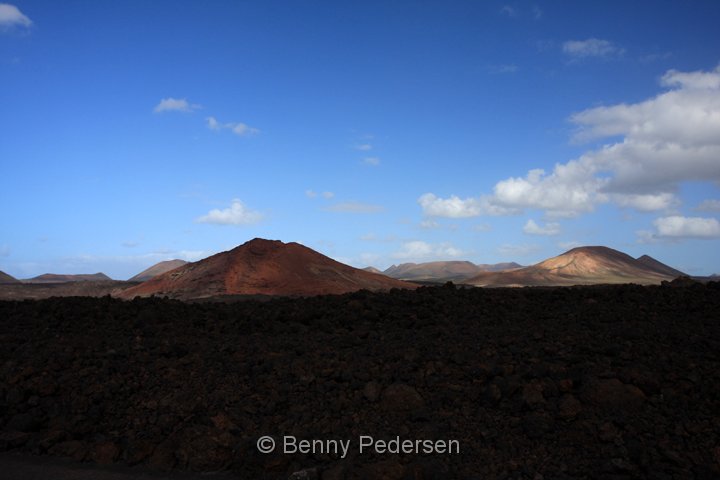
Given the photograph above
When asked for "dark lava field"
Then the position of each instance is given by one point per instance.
(612, 382)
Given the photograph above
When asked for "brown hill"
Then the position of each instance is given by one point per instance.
(456, 271)
(157, 269)
(264, 267)
(5, 278)
(579, 266)
(62, 278)
(659, 267)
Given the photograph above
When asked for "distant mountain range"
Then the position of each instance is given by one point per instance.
(583, 266)
(455, 271)
(62, 278)
(157, 269)
(271, 267)
(267, 267)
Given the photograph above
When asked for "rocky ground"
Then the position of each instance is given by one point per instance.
(547, 383)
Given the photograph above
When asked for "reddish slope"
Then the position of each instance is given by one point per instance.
(157, 269)
(579, 266)
(263, 267)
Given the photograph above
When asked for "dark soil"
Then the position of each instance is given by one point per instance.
(553, 383)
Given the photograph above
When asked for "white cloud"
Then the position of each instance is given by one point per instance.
(213, 124)
(365, 147)
(328, 195)
(419, 250)
(130, 244)
(455, 207)
(4, 250)
(175, 105)
(532, 228)
(663, 141)
(310, 194)
(709, 205)
(11, 16)
(537, 12)
(236, 214)
(647, 202)
(592, 47)
(687, 227)
(354, 207)
(238, 128)
(371, 161)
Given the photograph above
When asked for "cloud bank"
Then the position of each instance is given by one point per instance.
(652, 147)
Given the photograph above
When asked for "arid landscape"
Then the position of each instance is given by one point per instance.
(595, 381)
(377, 240)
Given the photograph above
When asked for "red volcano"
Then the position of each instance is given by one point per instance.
(267, 267)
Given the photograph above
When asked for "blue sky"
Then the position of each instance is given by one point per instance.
(374, 132)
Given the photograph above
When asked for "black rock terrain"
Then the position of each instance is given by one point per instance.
(612, 382)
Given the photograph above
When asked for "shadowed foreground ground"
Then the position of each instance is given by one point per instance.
(593, 382)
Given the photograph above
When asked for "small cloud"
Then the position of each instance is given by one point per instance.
(239, 129)
(532, 228)
(511, 12)
(328, 195)
(11, 16)
(504, 68)
(354, 207)
(213, 124)
(175, 105)
(130, 244)
(4, 250)
(371, 161)
(709, 205)
(537, 12)
(517, 250)
(236, 214)
(242, 129)
(310, 194)
(592, 47)
(677, 226)
(365, 147)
